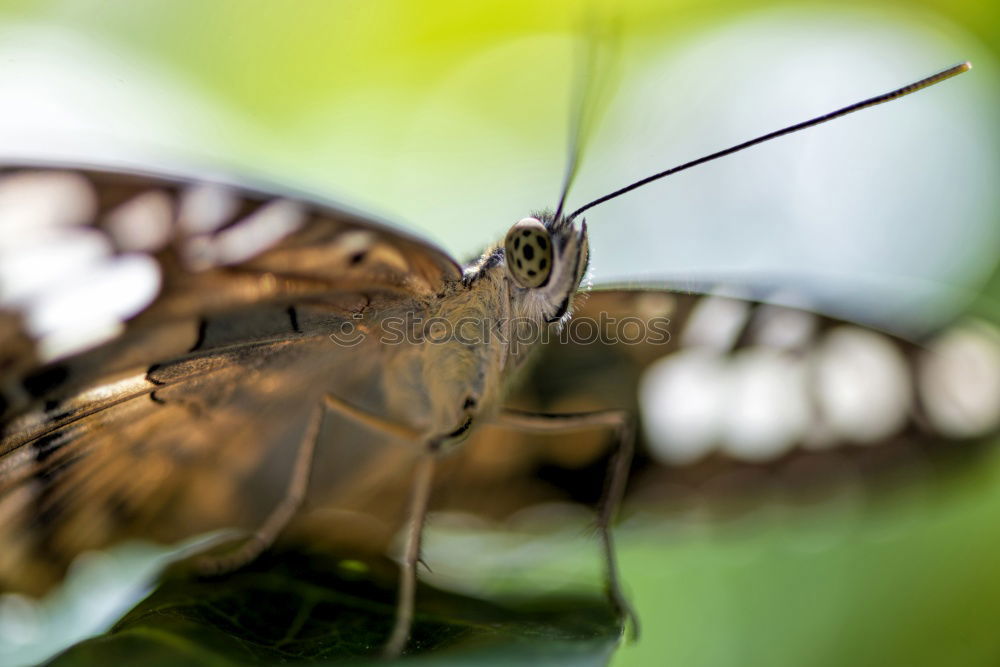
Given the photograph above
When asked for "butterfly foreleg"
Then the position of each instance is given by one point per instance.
(419, 499)
(622, 424)
(371, 421)
(268, 532)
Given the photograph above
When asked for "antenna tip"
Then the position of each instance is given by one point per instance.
(965, 67)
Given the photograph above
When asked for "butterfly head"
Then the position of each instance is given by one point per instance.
(546, 258)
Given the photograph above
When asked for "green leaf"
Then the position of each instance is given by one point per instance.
(301, 607)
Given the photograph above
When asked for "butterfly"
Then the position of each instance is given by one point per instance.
(260, 345)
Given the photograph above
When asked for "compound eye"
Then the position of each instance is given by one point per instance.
(528, 249)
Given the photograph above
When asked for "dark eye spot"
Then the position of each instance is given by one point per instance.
(526, 232)
(517, 243)
(532, 273)
(542, 242)
(357, 258)
(519, 265)
(543, 263)
(529, 251)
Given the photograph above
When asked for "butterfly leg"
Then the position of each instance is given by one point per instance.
(279, 517)
(419, 500)
(623, 425)
(374, 422)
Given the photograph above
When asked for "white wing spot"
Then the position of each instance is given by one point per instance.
(32, 201)
(206, 207)
(959, 380)
(716, 323)
(143, 222)
(360, 244)
(862, 384)
(781, 327)
(355, 241)
(93, 308)
(45, 261)
(682, 399)
(248, 237)
(767, 412)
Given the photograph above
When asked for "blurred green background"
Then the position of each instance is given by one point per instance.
(452, 119)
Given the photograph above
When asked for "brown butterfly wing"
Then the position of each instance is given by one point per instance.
(203, 392)
(214, 249)
(738, 397)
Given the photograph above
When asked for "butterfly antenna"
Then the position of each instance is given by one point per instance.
(857, 106)
(586, 85)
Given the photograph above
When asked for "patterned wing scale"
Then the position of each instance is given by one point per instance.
(738, 397)
(167, 359)
(142, 260)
